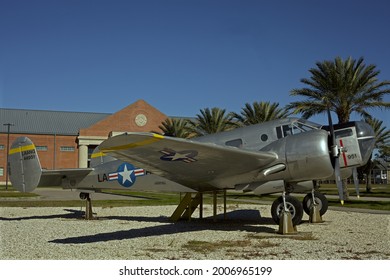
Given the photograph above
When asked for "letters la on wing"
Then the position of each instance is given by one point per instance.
(103, 178)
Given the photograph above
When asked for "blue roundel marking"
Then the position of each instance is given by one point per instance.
(126, 175)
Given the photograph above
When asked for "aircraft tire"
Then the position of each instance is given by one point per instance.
(293, 205)
(83, 196)
(321, 200)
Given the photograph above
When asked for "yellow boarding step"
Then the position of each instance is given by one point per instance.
(186, 207)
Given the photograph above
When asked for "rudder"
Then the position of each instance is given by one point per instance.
(24, 167)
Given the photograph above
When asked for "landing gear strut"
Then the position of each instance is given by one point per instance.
(88, 205)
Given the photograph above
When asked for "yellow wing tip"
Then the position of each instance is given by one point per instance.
(158, 136)
(148, 139)
(98, 154)
(342, 202)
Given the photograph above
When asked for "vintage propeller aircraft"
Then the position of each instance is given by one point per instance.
(286, 155)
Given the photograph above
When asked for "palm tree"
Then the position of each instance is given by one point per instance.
(260, 112)
(343, 87)
(211, 121)
(382, 138)
(384, 152)
(175, 127)
(382, 134)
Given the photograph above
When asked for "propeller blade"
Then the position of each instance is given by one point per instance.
(334, 153)
(333, 137)
(356, 181)
(339, 182)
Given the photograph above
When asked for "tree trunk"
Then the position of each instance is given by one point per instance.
(370, 166)
(368, 183)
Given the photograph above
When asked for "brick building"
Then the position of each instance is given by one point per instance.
(67, 139)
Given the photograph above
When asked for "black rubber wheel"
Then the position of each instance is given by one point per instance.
(320, 199)
(84, 196)
(293, 205)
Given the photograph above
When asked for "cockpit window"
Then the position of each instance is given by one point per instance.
(302, 127)
(293, 128)
(309, 124)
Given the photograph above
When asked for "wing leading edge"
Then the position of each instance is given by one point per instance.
(193, 164)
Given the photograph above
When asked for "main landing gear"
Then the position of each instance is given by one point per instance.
(291, 204)
(315, 197)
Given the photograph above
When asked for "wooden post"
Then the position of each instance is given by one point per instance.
(224, 204)
(214, 206)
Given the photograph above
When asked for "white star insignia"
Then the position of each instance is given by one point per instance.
(126, 175)
(177, 156)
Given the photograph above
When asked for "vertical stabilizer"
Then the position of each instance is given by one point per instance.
(24, 166)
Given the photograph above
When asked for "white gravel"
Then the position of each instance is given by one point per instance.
(147, 233)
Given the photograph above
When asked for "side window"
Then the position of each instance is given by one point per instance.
(234, 143)
(283, 131)
(287, 130)
(343, 133)
(279, 132)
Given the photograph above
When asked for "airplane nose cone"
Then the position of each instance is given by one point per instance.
(363, 129)
(366, 138)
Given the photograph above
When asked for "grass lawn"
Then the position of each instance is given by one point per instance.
(154, 198)
(376, 191)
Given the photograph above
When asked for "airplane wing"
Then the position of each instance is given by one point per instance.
(194, 164)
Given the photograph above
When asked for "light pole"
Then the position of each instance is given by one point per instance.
(6, 173)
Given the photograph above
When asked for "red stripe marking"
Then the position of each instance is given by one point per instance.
(139, 172)
(344, 156)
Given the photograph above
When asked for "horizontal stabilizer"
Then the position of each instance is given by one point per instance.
(54, 178)
(26, 173)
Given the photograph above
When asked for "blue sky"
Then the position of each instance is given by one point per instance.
(179, 56)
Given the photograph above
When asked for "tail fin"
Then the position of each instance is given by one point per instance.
(24, 167)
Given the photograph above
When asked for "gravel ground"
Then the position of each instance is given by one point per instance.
(146, 233)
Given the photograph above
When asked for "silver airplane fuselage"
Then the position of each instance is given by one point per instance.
(302, 148)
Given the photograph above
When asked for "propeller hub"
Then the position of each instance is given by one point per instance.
(334, 151)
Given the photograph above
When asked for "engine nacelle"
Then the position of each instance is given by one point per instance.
(305, 157)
